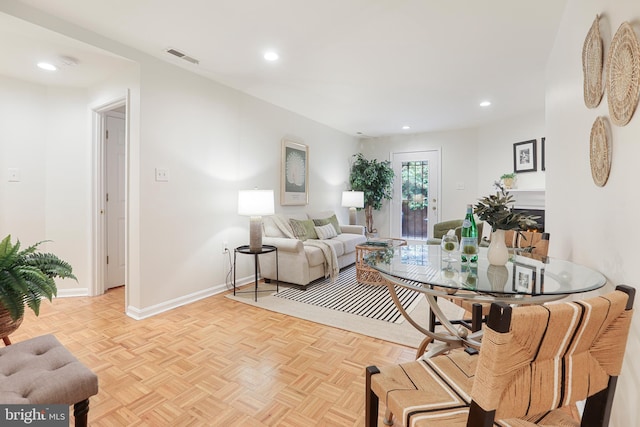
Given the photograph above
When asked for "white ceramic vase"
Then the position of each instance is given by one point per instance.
(497, 254)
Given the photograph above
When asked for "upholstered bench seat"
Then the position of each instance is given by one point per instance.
(43, 371)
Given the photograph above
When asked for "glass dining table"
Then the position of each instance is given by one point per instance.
(525, 279)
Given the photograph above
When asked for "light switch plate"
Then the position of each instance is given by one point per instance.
(14, 175)
(162, 175)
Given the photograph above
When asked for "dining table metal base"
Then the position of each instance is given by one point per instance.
(453, 336)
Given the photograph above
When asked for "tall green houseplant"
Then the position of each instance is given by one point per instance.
(375, 179)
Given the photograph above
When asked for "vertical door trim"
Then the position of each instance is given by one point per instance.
(98, 245)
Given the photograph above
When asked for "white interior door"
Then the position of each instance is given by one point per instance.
(115, 198)
(416, 194)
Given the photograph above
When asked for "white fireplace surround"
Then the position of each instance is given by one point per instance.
(528, 199)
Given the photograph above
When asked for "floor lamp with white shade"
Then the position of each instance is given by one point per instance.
(254, 204)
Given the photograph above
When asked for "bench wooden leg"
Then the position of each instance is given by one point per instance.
(81, 412)
(371, 400)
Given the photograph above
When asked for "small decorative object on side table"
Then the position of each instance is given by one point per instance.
(245, 249)
(364, 273)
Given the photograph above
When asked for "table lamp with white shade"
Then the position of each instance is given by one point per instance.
(352, 200)
(255, 203)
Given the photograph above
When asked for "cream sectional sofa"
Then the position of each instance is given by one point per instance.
(301, 259)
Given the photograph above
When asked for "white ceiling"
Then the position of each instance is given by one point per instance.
(368, 66)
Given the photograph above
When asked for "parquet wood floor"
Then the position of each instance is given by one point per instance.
(216, 362)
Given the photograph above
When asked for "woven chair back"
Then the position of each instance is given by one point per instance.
(536, 243)
(552, 355)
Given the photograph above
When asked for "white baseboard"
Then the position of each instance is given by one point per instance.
(139, 314)
(73, 292)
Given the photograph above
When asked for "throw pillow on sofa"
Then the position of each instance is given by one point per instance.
(303, 229)
(331, 220)
(325, 231)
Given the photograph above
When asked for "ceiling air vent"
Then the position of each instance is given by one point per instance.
(181, 55)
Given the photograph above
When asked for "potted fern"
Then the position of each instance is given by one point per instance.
(26, 276)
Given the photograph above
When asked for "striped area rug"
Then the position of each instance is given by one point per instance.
(347, 295)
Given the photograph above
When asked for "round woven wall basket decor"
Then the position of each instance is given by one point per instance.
(592, 62)
(600, 152)
(623, 75)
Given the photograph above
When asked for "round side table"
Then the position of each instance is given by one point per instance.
(244, 249)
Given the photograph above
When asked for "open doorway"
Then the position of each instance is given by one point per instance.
(110, 238)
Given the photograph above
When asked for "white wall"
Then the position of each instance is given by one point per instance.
(53, 162)
(495, 153)
(458, 154)
(67, 158)
(213, 141)
(22, 138)
(474, 158)
(594, 225)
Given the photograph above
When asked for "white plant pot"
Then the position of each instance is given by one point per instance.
(497, 254)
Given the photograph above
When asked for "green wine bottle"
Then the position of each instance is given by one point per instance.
(469, 237)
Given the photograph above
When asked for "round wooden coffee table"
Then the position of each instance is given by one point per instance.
(366, 274)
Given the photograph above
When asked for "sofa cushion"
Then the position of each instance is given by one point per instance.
(330, 220)
(303, 229)
(325, 231)
(337, 245)
(350, 241)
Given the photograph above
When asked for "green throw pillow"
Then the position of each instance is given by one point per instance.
(331, 220)
(303, 229)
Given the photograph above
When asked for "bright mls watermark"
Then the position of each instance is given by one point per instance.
(34, 415)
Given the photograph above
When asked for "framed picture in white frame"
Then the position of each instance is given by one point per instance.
(524, 278)
(294, 173)
(524, 156)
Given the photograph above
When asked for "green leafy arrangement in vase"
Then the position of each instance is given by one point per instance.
(497, 211)
(27, 276)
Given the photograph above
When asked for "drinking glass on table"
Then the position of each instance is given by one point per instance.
(449, 244)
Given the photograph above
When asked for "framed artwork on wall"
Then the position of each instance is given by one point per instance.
(542, 167)
(524, 156)
(294, 173)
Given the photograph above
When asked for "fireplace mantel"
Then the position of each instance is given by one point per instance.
(528, 198)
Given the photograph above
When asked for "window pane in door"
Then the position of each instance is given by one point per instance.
(415, 200)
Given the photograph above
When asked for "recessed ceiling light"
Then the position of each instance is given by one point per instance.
(47, 66)
(405, 127)
(485, 103)
(271, 56)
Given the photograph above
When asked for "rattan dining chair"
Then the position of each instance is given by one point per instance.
(528, 242)
(534, 364)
